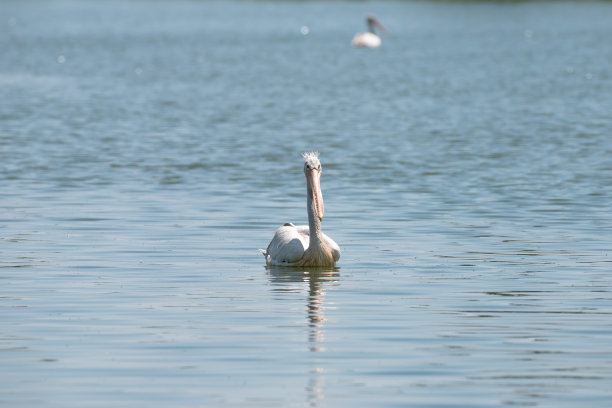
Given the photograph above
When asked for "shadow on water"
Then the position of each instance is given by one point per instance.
(314, 280)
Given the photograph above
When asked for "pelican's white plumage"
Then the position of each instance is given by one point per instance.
(369, 39)
(305, 245)
(366, 40)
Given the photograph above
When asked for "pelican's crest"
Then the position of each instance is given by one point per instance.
(310, 157)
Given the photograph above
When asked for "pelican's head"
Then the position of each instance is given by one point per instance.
(373, 22)
(312, 170)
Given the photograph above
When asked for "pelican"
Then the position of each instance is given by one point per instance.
(369, 39)
(305, 245)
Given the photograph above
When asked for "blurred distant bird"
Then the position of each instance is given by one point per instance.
(369, 39)
(305, 245)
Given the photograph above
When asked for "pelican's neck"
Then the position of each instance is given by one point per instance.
(314, 224)
(371, 27)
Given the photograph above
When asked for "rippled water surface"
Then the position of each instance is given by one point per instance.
(148, 149)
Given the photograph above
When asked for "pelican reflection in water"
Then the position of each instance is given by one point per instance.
(287, 282)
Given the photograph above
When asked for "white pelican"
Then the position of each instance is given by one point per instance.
(305, 245)
(369, 39)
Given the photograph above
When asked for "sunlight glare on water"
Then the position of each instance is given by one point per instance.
(148, 149)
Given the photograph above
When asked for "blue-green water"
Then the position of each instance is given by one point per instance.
(148, 149)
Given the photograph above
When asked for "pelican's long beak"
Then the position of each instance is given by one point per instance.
(380, 27)
(314, 178)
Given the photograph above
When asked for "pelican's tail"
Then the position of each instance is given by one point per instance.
(266, 255)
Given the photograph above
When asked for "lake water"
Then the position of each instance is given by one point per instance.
(148, 149)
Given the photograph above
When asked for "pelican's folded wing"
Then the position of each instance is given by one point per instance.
(287, 246)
